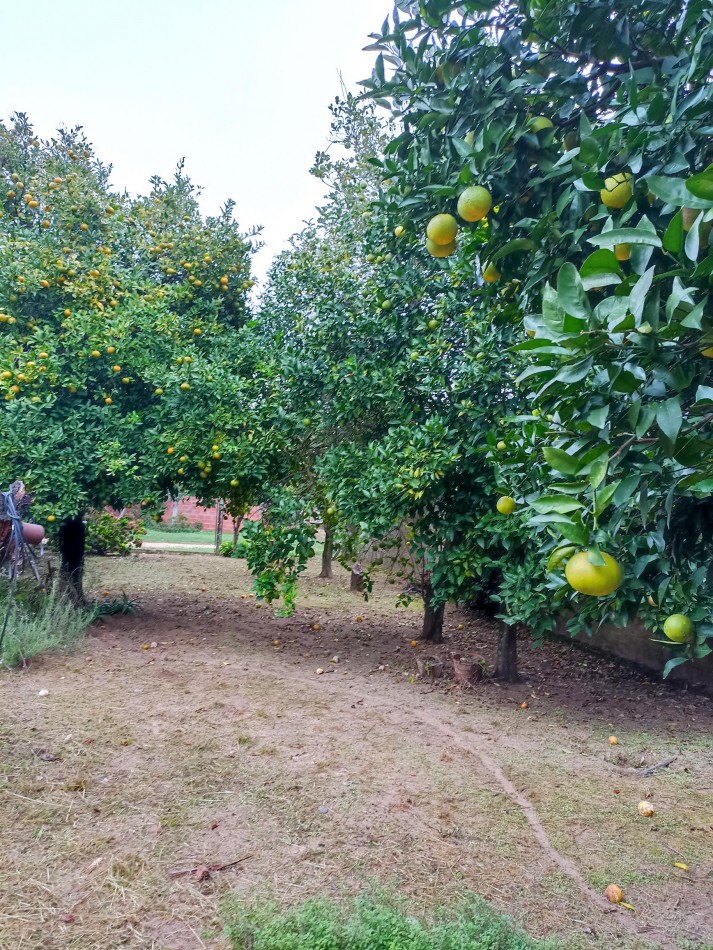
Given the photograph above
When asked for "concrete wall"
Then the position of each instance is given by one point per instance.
(634, 643)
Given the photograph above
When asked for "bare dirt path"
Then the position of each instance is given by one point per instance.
(199, 733)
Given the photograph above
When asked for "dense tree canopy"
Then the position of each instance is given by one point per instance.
(121, 323)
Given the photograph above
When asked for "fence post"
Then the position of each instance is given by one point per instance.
(218, 525)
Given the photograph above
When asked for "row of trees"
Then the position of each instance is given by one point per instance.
(550, 343)
(490, 351)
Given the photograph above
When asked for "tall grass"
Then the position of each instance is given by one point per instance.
(39, 621)
(372, 925)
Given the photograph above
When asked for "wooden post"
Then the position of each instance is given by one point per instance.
(218, 525)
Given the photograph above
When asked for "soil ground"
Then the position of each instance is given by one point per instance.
(201, 732)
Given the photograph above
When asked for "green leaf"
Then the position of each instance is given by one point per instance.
(604, 497)
(637, 297)
(598, 471)
(625, 236)
(559, 554)
(570, 293)
(673, 236)
(574, 532)
(513, 247)
(598, 417)
(626, 489)
(695, 318)
(561, 461)
(701, 185)
(704, 394)
(462, 147)
(600, 269)
(674, 192)
(669, 418)
(673, 663)
(602, 261)
(549, 504)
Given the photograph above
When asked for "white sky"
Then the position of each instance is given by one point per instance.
(241, 89)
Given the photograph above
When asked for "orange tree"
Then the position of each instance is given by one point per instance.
(123, 328)
(389, 369)
(582, 133)
(306, 324)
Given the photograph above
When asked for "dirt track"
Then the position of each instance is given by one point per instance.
(217, 744)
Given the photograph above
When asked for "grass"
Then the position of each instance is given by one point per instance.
(367, 924)
(180, 537)
(40, 621)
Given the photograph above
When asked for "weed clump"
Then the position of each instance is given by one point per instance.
(371, 925)
(39, 621)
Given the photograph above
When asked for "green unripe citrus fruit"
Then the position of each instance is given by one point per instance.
(678, 628)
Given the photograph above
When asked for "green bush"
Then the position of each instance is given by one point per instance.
(371, 925)
(109, 534)
(228, 549)
(39, 621)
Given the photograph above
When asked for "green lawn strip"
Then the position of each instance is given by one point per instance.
(372, 924)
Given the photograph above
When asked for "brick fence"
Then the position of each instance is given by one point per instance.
(195, 513)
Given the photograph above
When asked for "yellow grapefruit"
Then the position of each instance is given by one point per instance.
(617, 190)
(622, 251)
(491, 274)
(440, 250)
(506, 505)
(707, 347)
(474, 203)
(442, 229)
(594, 580)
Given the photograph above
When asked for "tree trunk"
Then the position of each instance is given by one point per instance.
(72, 546)
(174, 510)
(327, 553)
(357, 579)
(432, 616)
(506, 661)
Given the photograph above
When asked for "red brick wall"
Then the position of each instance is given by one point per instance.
(196, 514)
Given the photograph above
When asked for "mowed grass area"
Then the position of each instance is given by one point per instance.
(206, 731)
(190, 538)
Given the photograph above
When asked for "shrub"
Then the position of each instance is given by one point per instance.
(371, 925)
(228, 549)
(107, 534)
(40, 621)
(178, 526)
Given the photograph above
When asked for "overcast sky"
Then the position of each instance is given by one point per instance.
(241, 88)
